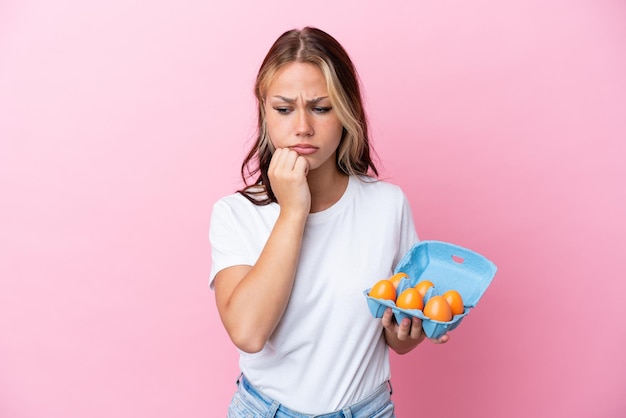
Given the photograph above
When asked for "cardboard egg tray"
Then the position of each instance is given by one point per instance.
(447, 266)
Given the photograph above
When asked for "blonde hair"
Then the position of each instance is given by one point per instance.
(313, 46)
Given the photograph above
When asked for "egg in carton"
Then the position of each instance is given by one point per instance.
(448, 267)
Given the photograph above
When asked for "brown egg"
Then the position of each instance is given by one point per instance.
(455, 301)
(437, 308)
(410, 299)
(423, 286)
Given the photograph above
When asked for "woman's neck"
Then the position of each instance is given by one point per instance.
(326, 188)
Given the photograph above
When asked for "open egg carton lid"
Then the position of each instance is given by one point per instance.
(447, 266)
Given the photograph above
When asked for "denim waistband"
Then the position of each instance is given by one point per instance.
(383, 392)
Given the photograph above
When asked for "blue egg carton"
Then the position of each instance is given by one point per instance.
(447, 266)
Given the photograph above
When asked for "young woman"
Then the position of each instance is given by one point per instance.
(294, 250)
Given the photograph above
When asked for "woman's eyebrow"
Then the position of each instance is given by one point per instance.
(290, 100)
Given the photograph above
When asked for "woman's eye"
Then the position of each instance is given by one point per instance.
(283, 110)
(320, 109)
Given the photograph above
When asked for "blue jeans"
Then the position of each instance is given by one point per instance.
(248, 402)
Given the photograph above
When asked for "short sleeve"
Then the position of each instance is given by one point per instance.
(225, 236)
(408, 234)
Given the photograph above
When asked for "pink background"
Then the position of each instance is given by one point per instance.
(121, 122)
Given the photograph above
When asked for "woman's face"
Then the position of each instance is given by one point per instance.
(299, 115)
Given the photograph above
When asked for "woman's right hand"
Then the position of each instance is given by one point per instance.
(288, 177)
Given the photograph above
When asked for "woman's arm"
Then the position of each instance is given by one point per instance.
(251, 299)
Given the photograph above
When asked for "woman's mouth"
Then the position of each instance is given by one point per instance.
(304, 149)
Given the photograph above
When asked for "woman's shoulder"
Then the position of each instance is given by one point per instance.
(238, 202)
(233, 199)
(378, 187)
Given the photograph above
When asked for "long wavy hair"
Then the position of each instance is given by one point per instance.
(313, 46)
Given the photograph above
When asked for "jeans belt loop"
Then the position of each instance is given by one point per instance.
(273, 409)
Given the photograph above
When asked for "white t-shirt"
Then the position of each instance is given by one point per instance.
(328, 351)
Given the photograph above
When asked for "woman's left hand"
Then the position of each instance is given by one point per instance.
(405, 336)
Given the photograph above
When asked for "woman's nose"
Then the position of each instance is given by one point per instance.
(304, 126)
